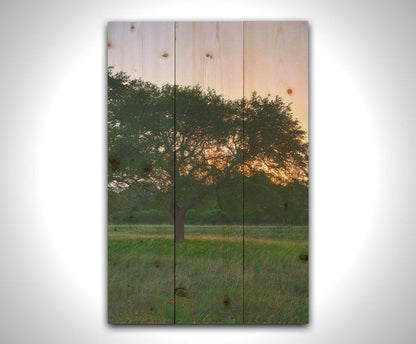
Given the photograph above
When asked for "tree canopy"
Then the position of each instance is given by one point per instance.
(182, 137)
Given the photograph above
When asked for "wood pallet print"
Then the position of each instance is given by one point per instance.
(208, 172)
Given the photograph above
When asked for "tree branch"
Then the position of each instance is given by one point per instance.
(194, 201)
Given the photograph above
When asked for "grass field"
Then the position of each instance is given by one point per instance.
(211, 286)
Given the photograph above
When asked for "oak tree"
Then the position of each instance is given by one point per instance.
(182, 142)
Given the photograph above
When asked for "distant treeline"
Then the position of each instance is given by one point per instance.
(263, 203)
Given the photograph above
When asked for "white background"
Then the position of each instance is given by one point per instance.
(52, 175)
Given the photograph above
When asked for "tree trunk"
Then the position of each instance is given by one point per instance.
(180, 225)
(179, 215)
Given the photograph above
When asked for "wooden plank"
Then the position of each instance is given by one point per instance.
(275, 256)
(209, 267)
(140, 257)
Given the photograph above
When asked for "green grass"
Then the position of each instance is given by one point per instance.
(209, 275)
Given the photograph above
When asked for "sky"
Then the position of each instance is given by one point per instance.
(234, 58)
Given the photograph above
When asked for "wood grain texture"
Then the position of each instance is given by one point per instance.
(276, 63)
(210, 54)
(234, 59)
(143, 50)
